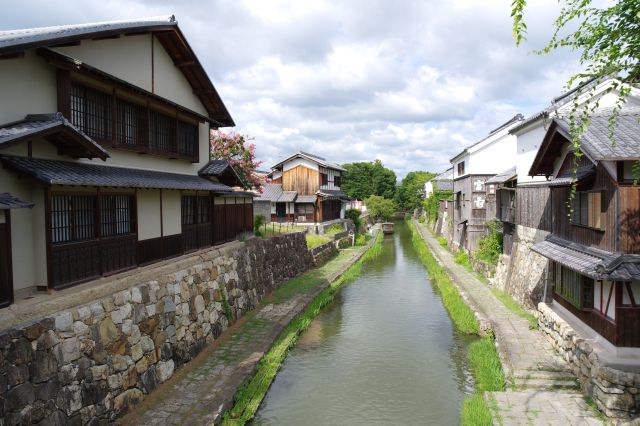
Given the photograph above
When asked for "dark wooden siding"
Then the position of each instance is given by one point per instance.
(562, 226)
(629, 219)
(533, 207)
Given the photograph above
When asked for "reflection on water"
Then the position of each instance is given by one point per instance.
(383, 352)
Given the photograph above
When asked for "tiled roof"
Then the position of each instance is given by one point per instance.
(596, 142)
(333, 194)
(307, 199)
(270, 192)
(8, 201)
(316, 159)
(13, 38)
(222, 170)
(287, 197)
(52, 172)
(589, 261)
(503, 176)
(566, 179)
(35, 125)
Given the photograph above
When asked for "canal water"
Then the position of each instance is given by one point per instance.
(383, 352)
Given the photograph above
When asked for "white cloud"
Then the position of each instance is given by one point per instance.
(409, 82)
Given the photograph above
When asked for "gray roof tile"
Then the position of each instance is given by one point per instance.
(596, 142)
(270, 192)
(287, 197)
(8, 201)
(589, 261)
(503, 176)
(333, 194)
(306, 199)
(52, 172)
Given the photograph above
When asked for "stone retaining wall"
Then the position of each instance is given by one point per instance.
(616, 392)
(90, 363)
(324, 253)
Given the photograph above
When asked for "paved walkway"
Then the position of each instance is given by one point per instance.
(203, 390)
(541, 388)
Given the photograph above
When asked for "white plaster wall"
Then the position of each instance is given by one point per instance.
(528, 144)
(128, 58)
(28, 86)
(38, 227)
(455, 163)
(171, 212)
(169, 82)
(331, 174)
(428, 189)
(24, 262)
(277, 175)
(299, 162)
(494, 158)
(148, 214)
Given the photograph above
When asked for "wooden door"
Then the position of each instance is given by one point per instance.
(6, 279)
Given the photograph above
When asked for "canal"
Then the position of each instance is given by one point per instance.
(383, 352)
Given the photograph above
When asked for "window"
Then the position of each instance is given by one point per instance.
(324, 179)
(461, 168)
(91, 112)
(187, 138)
(305, 208)
(336, 181)
(587, 209)
(72, 218)
(115, 214)
(573, 287)
(162, 132)
(196, 209)
(129, 122)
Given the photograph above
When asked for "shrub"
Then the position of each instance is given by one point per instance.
(432, 203)
(380, 207)
(361, 239)
(491, 245)
(258, 222)
(421, 219)
(354, 215)
(462, 258)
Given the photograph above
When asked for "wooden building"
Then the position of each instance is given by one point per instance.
(117, 171)
(305, 188)
(594, 242)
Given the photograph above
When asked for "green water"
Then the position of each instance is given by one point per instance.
(384, 352)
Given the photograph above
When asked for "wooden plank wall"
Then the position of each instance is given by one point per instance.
(629, 219)
(533, 207)
(562, 226)
(303, 180)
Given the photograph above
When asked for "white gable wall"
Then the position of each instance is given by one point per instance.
(299, 162)
(528, 144)
(493, 158)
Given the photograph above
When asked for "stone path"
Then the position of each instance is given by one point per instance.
(203, 390)
(541, 388)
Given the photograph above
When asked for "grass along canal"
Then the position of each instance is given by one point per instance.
(385, 351)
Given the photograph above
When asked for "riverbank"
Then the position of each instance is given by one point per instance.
(540, 386)
(205, 388)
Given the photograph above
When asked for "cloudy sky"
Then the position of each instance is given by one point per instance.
(409, 82)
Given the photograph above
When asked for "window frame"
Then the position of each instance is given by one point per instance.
(582, 214)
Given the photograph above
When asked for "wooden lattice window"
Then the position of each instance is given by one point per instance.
(162, 132)
(116, 212)
(72, 218)
(196, 209)
(91, 112)
(130, 120)
(574, 287)
(587, 209)
(187, 139)
(336, 181)
(324, 179)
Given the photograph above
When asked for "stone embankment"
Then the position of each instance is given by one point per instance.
(89, 363)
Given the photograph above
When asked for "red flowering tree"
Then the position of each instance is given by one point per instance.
(235, 148)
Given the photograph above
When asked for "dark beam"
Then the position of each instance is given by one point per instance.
(185, 64)
(13, 55)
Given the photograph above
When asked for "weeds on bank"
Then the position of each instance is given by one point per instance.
(249, 397)
(461, 314)
(443, 242)
(515, 307)
(482, 355)
(462, 258)
(336, 228)
(314, 241)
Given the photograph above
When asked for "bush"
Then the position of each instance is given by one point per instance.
(258, 222)
(361, 239)
(421, 219)
(354, 215)
(462, 258)
(379, 207)
(491, 245)
(432, 203)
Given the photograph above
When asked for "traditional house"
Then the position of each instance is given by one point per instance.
(471, 169)
(106, 138)
(594, 246)
(305, 188)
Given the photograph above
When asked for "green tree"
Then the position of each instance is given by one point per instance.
(410, 193)
(380, 207)
(365, 179)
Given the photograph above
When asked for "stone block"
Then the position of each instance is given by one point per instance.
(119, 363)
(80, 328)
(107, 332)
(19, 396)
(127, 400)
(149, 379)
(44, 366)
(70, 399)
(48, 390)
(17, 374)
(100, 372)
(93, 392)
(136, 295)
(64, 321)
